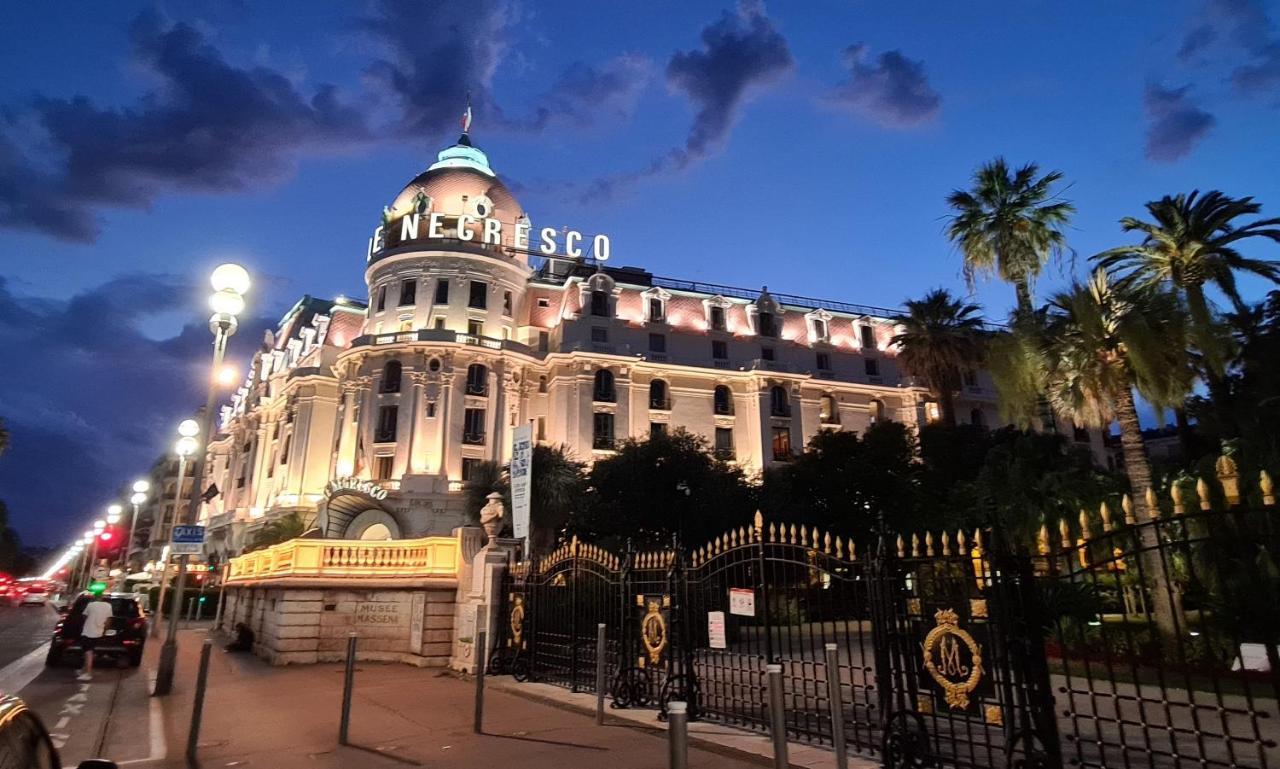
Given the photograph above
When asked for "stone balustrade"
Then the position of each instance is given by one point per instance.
(407, 558)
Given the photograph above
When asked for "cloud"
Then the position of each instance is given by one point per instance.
(586, 95)
(1175, 123)
(894, 91)
(99, 402)
(208, 126)
(741, 52)
(1238, 27)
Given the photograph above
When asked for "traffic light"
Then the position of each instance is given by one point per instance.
(110, 542)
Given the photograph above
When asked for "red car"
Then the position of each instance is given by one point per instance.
(126, 632)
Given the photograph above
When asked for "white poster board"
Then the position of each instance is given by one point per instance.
(521, 479)
(742, 601)
(715, 630)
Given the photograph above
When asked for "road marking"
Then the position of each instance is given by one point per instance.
(22, 671)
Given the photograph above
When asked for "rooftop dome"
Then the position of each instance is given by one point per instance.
(459, 182)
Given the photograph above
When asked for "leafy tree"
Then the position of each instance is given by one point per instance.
(941, 340)
(277, 530)
(1009, 224)
(664, 486)
(844, 482)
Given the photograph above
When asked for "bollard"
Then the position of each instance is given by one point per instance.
(600, 676)
(835, 699)
(191, 609)
(482, 650)
(348, 682)
(777, 717)
(678, 733)
(197, 708)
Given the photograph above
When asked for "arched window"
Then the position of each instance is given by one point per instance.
(658, 395)
(723, 400)
(477, 379)
(976, 418)
(779, 402)
(391, 375)
(828, 412)
(603, 390)
(877, 413)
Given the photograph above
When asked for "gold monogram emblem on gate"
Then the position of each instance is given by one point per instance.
(517, 620)
(653, 632)
(944, 651)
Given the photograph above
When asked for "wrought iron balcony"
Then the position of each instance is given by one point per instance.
(602, 442)
(727, 455)
(478, 388)
(473, 439)
(724, 409)
(660, 404)
(604, 397)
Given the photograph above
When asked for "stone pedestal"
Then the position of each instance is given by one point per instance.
(479, 589)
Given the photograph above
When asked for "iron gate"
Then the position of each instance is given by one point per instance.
(953, 650)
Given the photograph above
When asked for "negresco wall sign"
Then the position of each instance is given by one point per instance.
(355, 484)
(432, 227)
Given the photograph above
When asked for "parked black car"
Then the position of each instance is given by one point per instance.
(25, 743)
(126, 632)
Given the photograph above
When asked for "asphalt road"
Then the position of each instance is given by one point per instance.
(110, 716)
(22, 629)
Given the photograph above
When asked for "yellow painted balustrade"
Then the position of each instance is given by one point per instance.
(408, 558)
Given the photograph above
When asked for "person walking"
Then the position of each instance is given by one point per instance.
(97, 613)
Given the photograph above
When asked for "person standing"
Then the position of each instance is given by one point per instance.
(97, 613)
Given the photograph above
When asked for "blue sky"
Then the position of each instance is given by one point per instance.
(807, 146)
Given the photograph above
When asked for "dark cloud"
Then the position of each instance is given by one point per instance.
(1175, 123)
(894, 91)
(584, 95)
(101, 400)
(741, 51)
(1196, 41)
(1261, 77)
(209, 126)
(435, 55)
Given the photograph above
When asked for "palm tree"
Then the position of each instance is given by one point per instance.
(4, 437)
(941, 339)
(1097, 344)
(1191, 242)
(1009, 224)
(1102, 341)
(556, 489)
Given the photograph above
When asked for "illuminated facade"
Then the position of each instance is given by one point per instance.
(370, 418)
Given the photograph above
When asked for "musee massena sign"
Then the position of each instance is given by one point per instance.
(355, 484)
(432, 227)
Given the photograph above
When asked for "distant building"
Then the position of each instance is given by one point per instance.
(369, 418)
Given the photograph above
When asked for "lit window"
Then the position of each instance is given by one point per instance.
(828, 412)
(781, 444)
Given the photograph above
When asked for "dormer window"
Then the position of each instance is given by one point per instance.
(819, 326)
(766, 324)
(600, 304)
(867, 336)
(655, 305)
(657, 312)
(717, 320)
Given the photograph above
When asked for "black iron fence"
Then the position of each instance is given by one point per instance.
(1148, 642)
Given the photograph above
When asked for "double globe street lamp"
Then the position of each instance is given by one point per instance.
(140, 489)
(230, 283)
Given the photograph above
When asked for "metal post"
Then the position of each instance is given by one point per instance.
(600, 677)
(222, 592)
(482, 649)
(223, 327)
(777, 717)
(678, 734)
(835, 698)
(348, 680)
(166, 524)
(197, 709)
(191, 610)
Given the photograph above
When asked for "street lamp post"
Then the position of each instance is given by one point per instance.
(98, 526)
(186, 446)
(140, 489)
(230, 282)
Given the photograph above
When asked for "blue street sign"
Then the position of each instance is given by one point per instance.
(187, 540)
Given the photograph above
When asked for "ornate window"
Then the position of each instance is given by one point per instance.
(655, 305)
(723, 400)
(386, 428)
(477, 379)
(877, 412)
(658, 397)
(602, 431)
(779, 401)
(391, 376)
(604, 390)
(828, 411)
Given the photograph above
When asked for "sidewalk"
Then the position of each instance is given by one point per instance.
(286, 718)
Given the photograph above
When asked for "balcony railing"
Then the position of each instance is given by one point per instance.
(478, 388)
(404, 559)
(473, 439)
(726, 455)
(604, 397)
(660, 404)
(602, 442)
(724, 409)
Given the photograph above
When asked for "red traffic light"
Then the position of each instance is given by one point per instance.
(105, 536)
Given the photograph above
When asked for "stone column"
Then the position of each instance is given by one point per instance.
(444, 413)
(417, 462)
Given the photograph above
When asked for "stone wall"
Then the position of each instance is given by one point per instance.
(307, 621)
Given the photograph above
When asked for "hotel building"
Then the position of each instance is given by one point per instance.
(368, 417)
